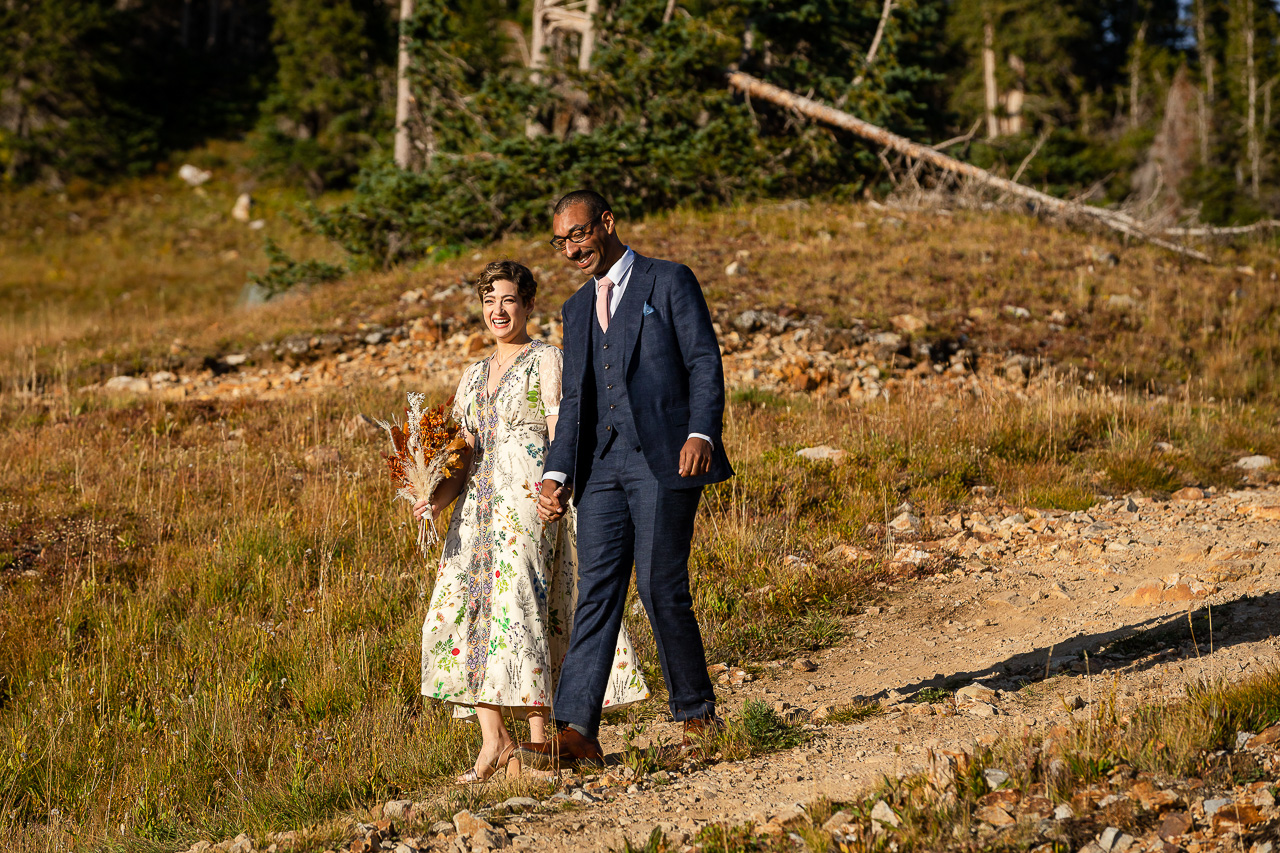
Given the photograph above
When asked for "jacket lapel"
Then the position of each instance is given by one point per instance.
(631, 309)
(578, 312)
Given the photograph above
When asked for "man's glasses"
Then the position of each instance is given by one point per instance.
(577, 235)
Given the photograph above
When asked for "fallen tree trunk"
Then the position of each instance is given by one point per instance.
(1118, 221)
(1223, 231)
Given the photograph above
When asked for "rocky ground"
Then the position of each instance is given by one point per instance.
(1032, 594)
(763, 350)
(1021, 622)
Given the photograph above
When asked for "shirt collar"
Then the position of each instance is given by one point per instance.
(619, 272)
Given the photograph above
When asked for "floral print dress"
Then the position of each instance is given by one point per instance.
(502, 608)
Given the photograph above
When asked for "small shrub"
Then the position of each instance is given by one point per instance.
(283, 272)
(766, 731)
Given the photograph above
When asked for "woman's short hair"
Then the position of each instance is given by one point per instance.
(517, 274)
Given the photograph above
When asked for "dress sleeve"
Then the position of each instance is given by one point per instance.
(461, 401)
(549, 371)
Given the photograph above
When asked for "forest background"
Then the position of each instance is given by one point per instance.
(1165, 105)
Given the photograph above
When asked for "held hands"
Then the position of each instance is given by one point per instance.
(553, 500)
(695, 457)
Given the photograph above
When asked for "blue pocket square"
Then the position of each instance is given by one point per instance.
(648, 309)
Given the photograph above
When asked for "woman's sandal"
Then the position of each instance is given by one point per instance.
(473, 777)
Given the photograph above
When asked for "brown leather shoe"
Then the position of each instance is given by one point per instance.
(568, 749)
(698, 732)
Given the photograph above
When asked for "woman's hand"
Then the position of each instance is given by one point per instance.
(424, 506)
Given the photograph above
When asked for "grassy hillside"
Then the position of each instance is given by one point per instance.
(211, 609)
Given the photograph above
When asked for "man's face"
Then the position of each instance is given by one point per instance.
(591, 256)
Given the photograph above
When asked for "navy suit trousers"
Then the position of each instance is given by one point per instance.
(626, 516)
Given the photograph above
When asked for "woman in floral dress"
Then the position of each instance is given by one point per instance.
(502, 607)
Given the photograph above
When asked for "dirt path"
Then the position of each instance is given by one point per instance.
(1066, 584)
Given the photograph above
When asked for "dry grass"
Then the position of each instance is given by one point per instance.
(203, 634)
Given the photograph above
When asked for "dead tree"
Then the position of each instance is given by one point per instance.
(1117, 221)
(404, 97)
(553, 19)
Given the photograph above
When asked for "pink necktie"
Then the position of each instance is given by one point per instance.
(604, 292)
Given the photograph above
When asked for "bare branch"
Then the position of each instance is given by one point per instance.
(1035, 149)
(875, 42)
(820, 112)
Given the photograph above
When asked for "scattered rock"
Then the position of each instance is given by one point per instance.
(1211, 806)
(905, 523)
(1236, 817)
(882, 815)
(194, 176)
(515, 803)
(995, 816)
(240, 211)
(466, 824)
(1174, 824)
(1267, 737)
(1190, 493)
(397, 809)
(976, 692)
(994, 778)
(908, 323)
(1254, 463)
(1152, 799)
(849, 554)
(822, 453)
(804, 665)
(127, 385)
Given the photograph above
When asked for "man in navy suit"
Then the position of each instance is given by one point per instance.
(638, 436)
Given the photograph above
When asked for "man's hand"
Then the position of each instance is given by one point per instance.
(695, 457)
(553, 501)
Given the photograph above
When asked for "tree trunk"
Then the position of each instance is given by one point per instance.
(1202, 45)
(820, 112)
(989, 78)
(404, 98)
(1251, 84)
(588, 36)
(1135, 73)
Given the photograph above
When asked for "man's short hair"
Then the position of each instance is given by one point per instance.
(595, 202)
(517, 274)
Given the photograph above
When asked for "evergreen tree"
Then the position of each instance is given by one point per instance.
(333, 96)
(64, 84)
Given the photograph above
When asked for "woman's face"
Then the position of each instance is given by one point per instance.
(504, 313)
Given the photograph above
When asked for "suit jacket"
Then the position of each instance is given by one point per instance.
(671, 365)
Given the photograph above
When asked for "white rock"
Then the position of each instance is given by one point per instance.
(905, 523)
(734, 268)
(163, 377)
(193, 175)
(995, 778)
(882, 816)
(127, 384)
(235, 360)
(910, 555)
(822, 453)
(240, 211)
(257, 224)
(1063, 812)
(976, 692)
(1254, 463)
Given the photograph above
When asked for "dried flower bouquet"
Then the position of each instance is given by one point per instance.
(426, 452)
